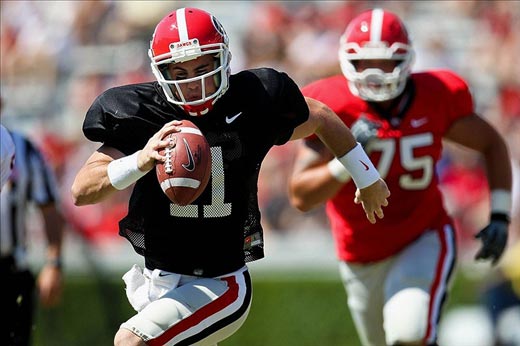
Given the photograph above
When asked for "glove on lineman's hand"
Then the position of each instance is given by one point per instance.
(364, 130)
(494, 238)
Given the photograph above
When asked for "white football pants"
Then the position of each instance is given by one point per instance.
(179, 310)
(399, 299)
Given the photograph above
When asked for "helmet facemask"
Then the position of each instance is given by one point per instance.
(181, 52)
(373, 84)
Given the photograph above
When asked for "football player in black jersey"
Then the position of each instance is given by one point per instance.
(195, 287)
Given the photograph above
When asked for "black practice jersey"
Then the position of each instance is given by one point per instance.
(220, 230)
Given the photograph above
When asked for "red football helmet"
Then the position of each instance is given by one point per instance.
(183, 35)
(376, 34)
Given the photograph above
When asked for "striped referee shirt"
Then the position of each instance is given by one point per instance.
(31, 181)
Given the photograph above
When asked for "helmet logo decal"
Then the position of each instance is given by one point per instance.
(181, 24)
(219, 28)
(376, 25)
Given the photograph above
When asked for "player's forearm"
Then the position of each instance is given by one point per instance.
(337, 137)
(477, 134)
(498, 167)
(312, 187)
(330, 129)
(91, 185)
(54, 229)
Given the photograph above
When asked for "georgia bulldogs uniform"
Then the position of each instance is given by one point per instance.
(416, 238)
(228, 230)
(195, 288)
(397, 272)
(408, 147)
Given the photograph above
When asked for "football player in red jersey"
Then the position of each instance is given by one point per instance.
(195, 287)
(396, 272)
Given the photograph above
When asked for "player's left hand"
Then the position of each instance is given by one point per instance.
(494, 239)
(373, 198)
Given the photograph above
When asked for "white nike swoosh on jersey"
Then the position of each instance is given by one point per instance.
(229, 120)
(418, 122)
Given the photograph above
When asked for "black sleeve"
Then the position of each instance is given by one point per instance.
(289, 104)
(113, 119)
(96, 125)
(291, 101)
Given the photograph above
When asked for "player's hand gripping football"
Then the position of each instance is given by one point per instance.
(149, 155)
(494, 238)
(364, 130)
(373, 198)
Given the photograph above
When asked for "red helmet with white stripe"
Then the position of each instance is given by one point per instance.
(187, 34)
(376, 35)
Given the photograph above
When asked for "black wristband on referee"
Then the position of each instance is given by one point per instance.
(500, 217)
(55, 262)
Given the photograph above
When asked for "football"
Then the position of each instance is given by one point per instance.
(186, 171)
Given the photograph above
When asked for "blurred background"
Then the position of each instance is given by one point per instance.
(57, 56)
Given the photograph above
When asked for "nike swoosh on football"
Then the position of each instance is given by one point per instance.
(190, 166)
(229, 120)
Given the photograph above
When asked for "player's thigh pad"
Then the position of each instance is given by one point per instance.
(419, 274)
(201, 311)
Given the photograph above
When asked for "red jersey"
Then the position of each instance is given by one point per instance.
(405, 154)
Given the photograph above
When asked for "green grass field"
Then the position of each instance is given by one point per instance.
(286, 311)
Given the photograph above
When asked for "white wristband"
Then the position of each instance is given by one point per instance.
(338, 171)
(124, 172)
(501, 202)
(360, 167)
